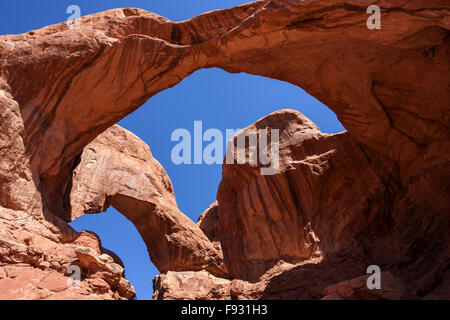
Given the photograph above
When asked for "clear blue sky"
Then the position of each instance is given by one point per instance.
(220, 100)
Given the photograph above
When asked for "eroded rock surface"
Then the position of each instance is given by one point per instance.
(377, 194)
(303, 210)
(36, 264)
(118, 169)
(190, 285)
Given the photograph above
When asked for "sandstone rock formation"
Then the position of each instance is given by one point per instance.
(118, 169)
(356, 289)
(190, 285)
(377, 194)
(306, 208)
(288, 235)
(35, 264)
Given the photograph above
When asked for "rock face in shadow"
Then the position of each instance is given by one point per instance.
(377, 194)
(357, 289)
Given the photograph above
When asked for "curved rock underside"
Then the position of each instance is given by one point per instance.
(376, 194)
(118, 169)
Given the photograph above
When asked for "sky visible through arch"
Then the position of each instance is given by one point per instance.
(219, 99)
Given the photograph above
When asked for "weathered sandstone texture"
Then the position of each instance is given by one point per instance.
(118, 169)
(375, 194)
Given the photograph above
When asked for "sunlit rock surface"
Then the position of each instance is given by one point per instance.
(377, 194)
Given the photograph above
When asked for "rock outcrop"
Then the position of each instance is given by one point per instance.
(35, 264)
(376, 194)
(305, 209)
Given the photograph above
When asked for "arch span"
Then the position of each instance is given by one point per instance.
(117, 169)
